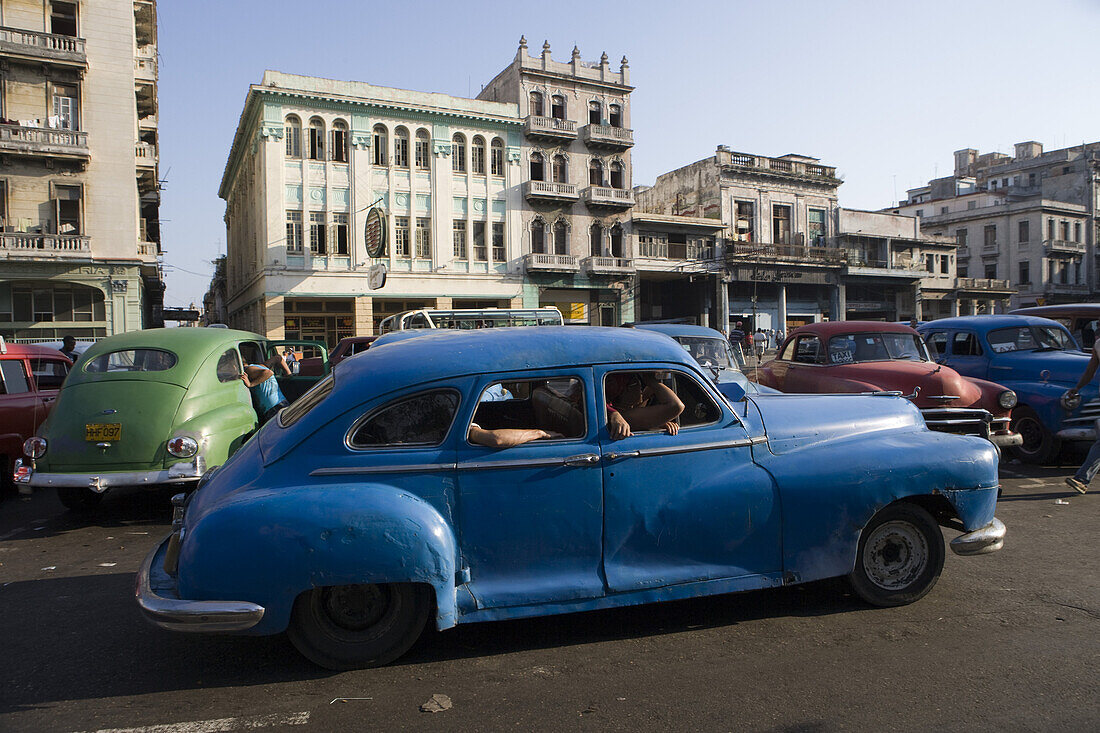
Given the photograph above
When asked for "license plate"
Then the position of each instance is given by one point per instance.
(103, 431)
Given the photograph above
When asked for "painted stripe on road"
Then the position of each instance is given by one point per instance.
(219, 725)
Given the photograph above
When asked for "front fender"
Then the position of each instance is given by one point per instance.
(309, 536)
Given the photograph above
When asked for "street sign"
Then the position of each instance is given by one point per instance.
(374, 233)
(376, 276)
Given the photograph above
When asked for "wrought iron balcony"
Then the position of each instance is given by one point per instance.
(608, 137)
(39, 46)
(615, 198)
(549, 191)
(550, 128)
(753, 252)
(536, 262)
(46, 141)
(608, 265)
(23, 244)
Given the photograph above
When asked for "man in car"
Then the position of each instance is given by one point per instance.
(640, 402)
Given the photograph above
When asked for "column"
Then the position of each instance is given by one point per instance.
(840, 307)
(364, 316)
(954, 307)
(781, 298)
(917, 309)
(443, 303)
(722, 304)
(272, 324)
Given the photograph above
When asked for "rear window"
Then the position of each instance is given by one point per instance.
(420, 420)
(290, 415)
(132, 360)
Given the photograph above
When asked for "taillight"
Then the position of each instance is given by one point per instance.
(34, 447)
(183, 446)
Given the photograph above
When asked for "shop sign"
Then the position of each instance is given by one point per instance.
(574, 311)
(783, 275)
(374, 233)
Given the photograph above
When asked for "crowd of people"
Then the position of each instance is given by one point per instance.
(756, 342)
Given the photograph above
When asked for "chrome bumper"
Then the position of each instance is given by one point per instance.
(180, 615)
(1005, 440)
(989, 538)
(1075, 434)
(177, 473)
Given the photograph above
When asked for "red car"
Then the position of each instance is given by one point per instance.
(311, 365)
(871, 356)
(29, 379)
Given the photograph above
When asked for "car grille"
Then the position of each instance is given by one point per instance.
(1088, 415)
(964, 420)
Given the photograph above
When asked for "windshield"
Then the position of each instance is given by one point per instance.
(709, 352)
(132, 360)
(859, 347)
(1029, 338)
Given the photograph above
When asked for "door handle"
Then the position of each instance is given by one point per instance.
(48, 400)
(624, 454)
(584, 459)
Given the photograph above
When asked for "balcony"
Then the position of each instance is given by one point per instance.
(38, 46)
(23, 245)
(984, 285)
(148, 251)
(1063, 246)
(536, 262)
(607, 137)
(611, 198)
(54, 143)
(146, 155)
(1066, 289)
(608, 265)
(752, 252)
(746, 163)
(551, 192)
(549, 128)
(145, 68)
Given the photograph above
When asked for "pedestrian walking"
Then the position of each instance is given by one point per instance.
(1079, 481)
(737, 335)
(758, 342)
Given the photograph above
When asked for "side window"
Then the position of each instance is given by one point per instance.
(808, 350)
(49, 373)
(699, 407)
(14, 377)
(629, 394)
(229, 369)
(788, 353)
(422, 419)
(554, 405)
(965, 344)
(937, 343)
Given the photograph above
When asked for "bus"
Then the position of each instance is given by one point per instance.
(472, 318)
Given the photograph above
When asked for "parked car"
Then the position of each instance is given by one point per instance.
(1035, 357)
(313, 366)
(365, 510)
(711, 350)
(870, 356)
(29, 379)
(1080, 319)
(147, 408)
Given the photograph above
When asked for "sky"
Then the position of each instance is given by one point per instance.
(883, 91)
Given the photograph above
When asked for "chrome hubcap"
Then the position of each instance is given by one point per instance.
(895, 555)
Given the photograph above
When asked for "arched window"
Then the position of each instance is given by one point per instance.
(595, 237)
(477, 155)
(534, 104)
(615, 115)
(560, 169)
(496, 157)
(557, 107)
(292, 133)
(401, 147)
(315, 145)
(380, 145)
(538, 236)
(423, 150)
(616, 175)
(538, 171)
(595, 173)
(338, 149)
(594, 116)
(458, 153)
(561, 238)
(617, 241)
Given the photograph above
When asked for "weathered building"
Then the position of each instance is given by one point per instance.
(79, 194)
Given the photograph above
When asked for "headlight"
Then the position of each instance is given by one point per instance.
(182, 446)
(1007, 399)
(34, 447)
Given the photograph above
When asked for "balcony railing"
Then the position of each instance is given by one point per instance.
(37, 245)
(146, 154)
(552, 127)
(147, 249)
(982, 283)
(552, 263)
(619, 198)
(549, 191)
(1064, 245)
(145, 68)
(749, 251)
(43, 46)
(608, 265)
(43, 141)
(607, 136)
(748, 162)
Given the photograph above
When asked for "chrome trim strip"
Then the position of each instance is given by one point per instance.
(521, 463)
(989, 538)
(672, 449)
(366, 470)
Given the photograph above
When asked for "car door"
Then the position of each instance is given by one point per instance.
(21, 409)
(807, 366)
(691, 506)
(968, 357)
(530, 516)
(296, 385)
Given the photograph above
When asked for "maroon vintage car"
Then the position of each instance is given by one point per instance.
(870, 356)
(29, 379)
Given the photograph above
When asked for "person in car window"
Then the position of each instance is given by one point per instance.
(266, 395)
(638, 401)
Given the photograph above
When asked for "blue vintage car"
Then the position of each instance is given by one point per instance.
(365, 510)
(1038, 359)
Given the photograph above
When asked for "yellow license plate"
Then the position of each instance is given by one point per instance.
(103, 431)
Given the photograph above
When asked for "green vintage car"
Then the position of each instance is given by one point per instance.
(154, 407)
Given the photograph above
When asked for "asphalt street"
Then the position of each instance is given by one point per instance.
(1008, 641)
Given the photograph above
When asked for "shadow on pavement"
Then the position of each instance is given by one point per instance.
(119, 508)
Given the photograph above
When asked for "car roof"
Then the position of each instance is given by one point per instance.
(1068, 309)
(680, 329)
(986, 323)
(17, 351)
(833, 328)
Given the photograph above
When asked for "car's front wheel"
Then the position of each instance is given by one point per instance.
(78, 498)
(355, 626)
(900, 556)
(1040, 445)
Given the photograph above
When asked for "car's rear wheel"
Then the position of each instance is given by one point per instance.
(900, 556)
(78, 498)
(356, 626)
(1040, 445)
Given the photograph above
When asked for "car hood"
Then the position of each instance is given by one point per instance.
(1065, 367)
(146, 411)
(933, 379)
(797, 420)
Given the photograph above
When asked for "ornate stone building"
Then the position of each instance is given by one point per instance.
(79, 194)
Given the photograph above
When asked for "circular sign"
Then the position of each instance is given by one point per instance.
(374, 233)
(376, 276)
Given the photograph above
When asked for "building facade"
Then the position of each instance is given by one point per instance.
(1025, 223)
(79, 193)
